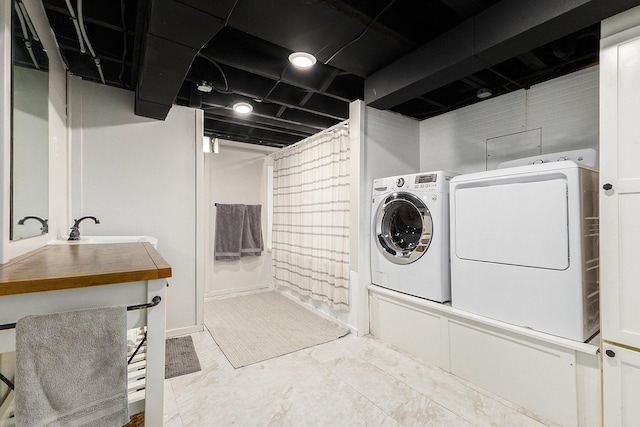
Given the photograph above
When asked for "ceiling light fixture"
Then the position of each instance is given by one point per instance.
(242, 107)
(302, 59)
(484, 93)
(204, 86)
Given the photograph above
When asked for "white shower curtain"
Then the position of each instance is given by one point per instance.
(311, 218)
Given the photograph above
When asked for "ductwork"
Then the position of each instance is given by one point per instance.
(505, 30)
(175, 32)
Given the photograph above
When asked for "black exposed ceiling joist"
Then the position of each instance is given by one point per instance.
(254, 124)
(505, 30)
(138, 40)
(304, 121)
(89, 20)
(286, 127)
(257, 87)
(68, 48)
(532, 61)
(465, 8)
(255, 65)
(316, 118)
(240, 133)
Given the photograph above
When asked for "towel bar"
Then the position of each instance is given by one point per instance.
(6, 381)
(154, 301)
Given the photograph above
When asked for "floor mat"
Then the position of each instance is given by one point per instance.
(180, 357)
(255, 327)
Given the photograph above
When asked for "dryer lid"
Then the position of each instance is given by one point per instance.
(587, 157)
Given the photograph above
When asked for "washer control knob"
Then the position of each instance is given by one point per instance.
(610, 353)
(400, 182)
(607, 187)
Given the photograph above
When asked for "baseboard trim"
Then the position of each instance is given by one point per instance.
(184, 331)
(231, 291)
(308, 306)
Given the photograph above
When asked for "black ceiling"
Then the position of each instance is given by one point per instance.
(417, 58)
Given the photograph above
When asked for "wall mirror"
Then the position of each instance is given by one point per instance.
(29, 128)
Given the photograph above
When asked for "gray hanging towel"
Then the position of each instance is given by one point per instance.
(71, 368)
(252, 231)
(229, 224)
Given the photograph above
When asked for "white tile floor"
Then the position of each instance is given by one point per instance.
(348, 382)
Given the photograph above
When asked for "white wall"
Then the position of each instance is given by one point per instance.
(139, 177)
(236, 174)
(382, 144)
(563, 110)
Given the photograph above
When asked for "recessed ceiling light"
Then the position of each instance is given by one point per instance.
(242, 107)
(204, 86)
(302, 59)
(484, 93)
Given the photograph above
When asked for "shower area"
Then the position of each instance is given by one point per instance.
(304, 194)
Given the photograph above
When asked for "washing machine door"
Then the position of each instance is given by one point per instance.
(403, 228)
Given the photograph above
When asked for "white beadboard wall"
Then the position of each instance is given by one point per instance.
(564, 109)
(237, 174)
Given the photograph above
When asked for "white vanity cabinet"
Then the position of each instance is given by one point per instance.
(58, 278)
(620, 217)
(621, 385)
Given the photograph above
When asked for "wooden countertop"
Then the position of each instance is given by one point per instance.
(57, 267)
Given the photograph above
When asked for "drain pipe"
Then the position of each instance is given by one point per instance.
(96, 60)
(74, 18)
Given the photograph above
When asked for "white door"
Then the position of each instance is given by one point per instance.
(621, 386)
(620, 192)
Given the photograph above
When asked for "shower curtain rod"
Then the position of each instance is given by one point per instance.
(154, 301)
(344, 123)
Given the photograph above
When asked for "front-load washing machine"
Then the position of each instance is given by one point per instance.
(524, 243)
(410, 242)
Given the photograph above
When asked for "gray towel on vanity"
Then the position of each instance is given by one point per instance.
(71, 368)
(252, 231)
(228, 238)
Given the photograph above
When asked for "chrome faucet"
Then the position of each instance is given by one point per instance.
(44, 222)
(75, 231)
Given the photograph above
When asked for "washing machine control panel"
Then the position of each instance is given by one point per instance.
(437, 181)
(426, 181)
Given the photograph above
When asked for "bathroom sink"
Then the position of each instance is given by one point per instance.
(106, 239)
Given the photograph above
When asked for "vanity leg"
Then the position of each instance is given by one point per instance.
(156, 326)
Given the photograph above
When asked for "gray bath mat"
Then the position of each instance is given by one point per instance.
(180, 357)
(252, 328)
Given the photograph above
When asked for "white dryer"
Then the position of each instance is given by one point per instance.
(410, 242)
(524, 243)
